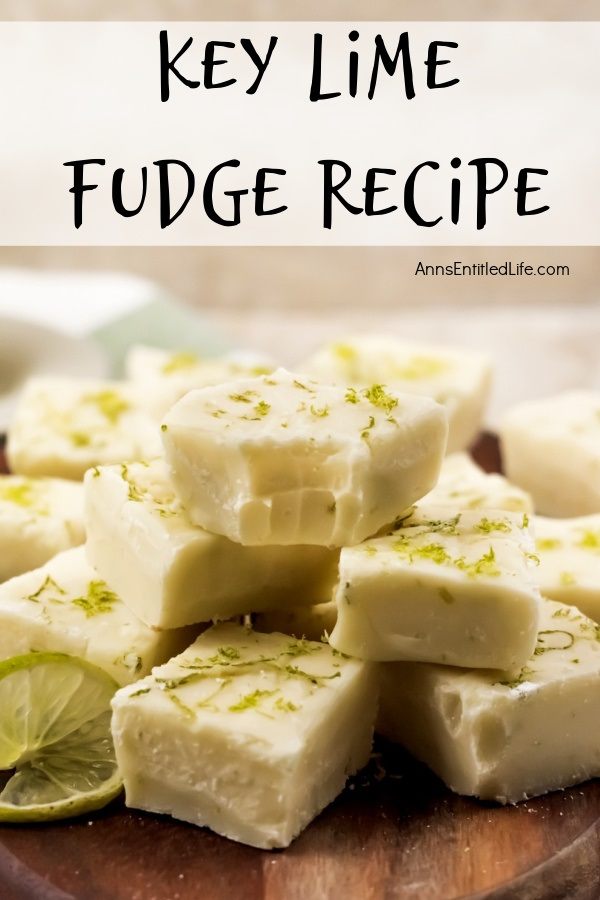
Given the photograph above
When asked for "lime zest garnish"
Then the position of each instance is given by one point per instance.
(250, 701)
(365, 433)
(487, 526)
(262, 408)
(377, 396)
(543, 544)
(110, 403)
(303, 387)
(245, 397)
(21, 493)
(345, 352)
(590, 540)
(98, 599)
(48, 584)
(547, 643)
(419, 367)
(180, 361)
(80, 439)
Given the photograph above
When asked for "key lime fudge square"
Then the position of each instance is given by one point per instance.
(282, 460)
(39, 517)
(459, 379)
(64, 426)
(65, 607)
(551, 448)
(250, 734)
(505, 737)
(170, 572)
(161, 377)
(463, 484)
(459, 589)
(569, 552)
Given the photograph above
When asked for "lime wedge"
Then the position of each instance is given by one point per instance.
(56, 749)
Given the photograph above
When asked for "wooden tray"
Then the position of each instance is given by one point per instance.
(396, 832)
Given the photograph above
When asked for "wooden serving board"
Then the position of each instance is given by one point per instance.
(395, 832)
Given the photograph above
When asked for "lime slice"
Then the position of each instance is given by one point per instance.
(56, 747)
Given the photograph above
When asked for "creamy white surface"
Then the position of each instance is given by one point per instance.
(39, 517)
(161, 377)
(464, 485)
(280, 460)
(62, 427)
(459, 379)
(65, 607)
(458, 589)
(569, 552)
(551, 448)
(171, 572)
(505, 737)
(250, 734)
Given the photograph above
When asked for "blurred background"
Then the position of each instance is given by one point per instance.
(544, 331)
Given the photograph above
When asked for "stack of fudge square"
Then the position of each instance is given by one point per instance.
(273, 565)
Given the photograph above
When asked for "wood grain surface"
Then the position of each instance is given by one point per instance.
(395, 832)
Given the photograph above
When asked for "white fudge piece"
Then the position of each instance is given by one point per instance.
(277, 460)
(63, 427)
(569, 570)
(65, 607)
(551, 448)
(463, 485)
(162, 377)
(503, 738)
(454, 589)
(312, 622)
(250, 734)
(171, 572)
(39, 517)
(459, 379)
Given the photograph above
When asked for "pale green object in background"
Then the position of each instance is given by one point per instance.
(82, 323)
(159, 323)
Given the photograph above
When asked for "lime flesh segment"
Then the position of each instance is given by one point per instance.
(55, 734)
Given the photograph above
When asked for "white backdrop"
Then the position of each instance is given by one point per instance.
(528, 94)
